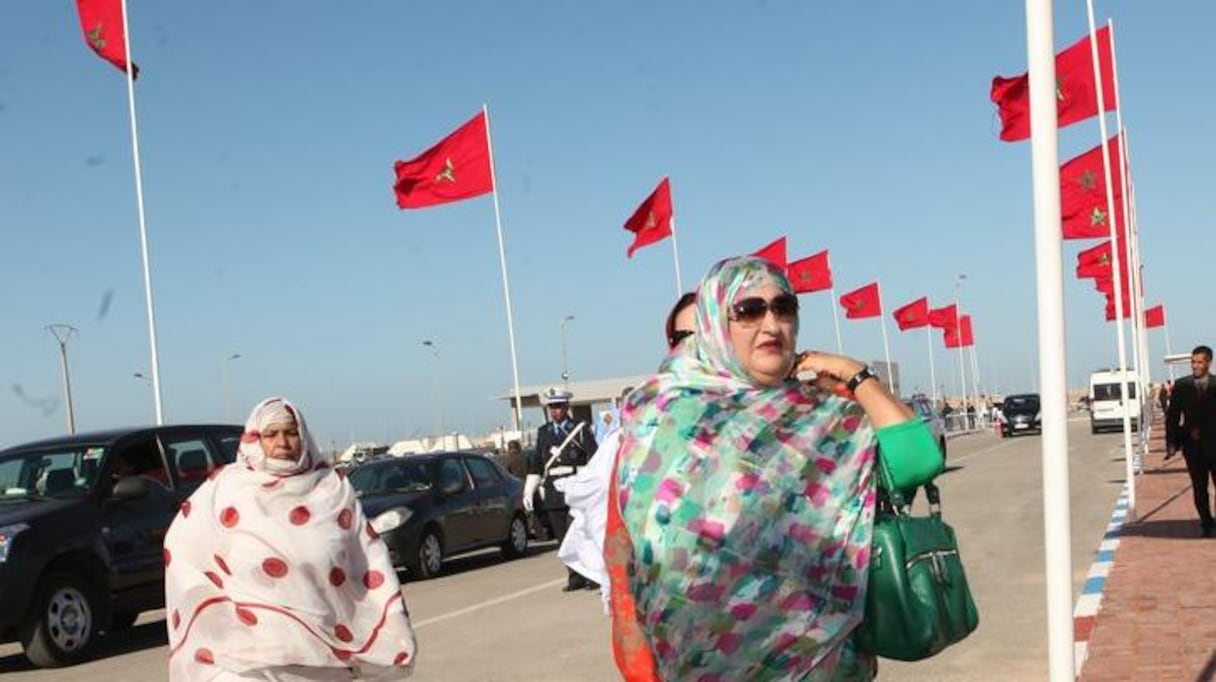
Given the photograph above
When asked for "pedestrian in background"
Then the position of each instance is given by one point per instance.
(1190, 426)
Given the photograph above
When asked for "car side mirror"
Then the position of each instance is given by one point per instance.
(130, 488)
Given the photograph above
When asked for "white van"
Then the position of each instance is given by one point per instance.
(1106, 406)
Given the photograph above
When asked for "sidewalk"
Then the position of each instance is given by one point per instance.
(1157, 619)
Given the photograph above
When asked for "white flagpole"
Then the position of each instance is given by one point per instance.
(1169, 350)
(1045, 164)
(1116, 266)
(143, 224)
(886, 345)
(675, 249)
(932, 370)
(506, 287)
(962, 362)
(836, 321)
(980, 414)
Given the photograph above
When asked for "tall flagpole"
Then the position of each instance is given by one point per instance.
(886, 345)
(836, 321)
(932, 370)
(143, 224)
(675, 249)
(962, 361)
(1117, 265)
(1045, 164)
(1139, 333)
(975, 382)
(506, 287)
(1168, 347)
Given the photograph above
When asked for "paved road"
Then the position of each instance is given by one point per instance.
(486, 620)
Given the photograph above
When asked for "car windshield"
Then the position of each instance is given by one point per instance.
(1111, 391)
(390, 477)
(921, 408)
(1022, 402)
(60, 473)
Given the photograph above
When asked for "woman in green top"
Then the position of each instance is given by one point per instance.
(748, 498)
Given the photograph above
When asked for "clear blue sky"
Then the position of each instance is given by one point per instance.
(269, 129)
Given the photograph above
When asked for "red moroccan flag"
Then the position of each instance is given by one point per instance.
(914, 315)
(1076, 96)
(651, 222)
(775, 253)
(456, 168)
(101, 21)
(810, 274)
(862, 303)
(1154, 317)
(1095, 261)
(955, 339)
(1110, 308)
(944, 318)
(1083, 208)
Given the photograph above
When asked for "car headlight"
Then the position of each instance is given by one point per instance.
(1038, 416)
(391, 519)
(7, 534)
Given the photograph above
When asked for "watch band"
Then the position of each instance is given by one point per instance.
(855, 381)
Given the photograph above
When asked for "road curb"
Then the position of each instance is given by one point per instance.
(1090, 601)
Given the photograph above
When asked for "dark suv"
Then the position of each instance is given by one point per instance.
(1021, 414)
(82, 523)
(429, 507)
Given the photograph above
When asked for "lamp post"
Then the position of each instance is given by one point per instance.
(63, 332)
(434, 346)
(958, 324)
(565, 355)
(228, 384)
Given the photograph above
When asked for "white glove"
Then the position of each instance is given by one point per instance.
(531, 483)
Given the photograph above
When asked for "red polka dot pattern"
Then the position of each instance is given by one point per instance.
(177, 619)
(336, 577)
(371, 532)
(373, 579)
(204, 656)
(343, 633)
(344, 519)
(402, 658)
(186, 508)
(222, 564)
(300, 516)
(211, 575)
(343, 654)
(168, 556)
(246, 616)
(275, 568)
(230, 517)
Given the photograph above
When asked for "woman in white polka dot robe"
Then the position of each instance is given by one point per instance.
(273, 573)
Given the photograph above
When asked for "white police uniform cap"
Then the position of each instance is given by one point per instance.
(556, 396)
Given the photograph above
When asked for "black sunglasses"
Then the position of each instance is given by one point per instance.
(678, 336)
(752, 310)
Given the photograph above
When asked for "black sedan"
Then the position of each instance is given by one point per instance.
(433, 506)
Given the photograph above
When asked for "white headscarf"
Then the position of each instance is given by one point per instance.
(272, 571)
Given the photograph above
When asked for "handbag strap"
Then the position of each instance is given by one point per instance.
(899, 503)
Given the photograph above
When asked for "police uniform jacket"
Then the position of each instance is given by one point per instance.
(567, 463)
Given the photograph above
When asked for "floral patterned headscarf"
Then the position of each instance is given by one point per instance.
(749, 508)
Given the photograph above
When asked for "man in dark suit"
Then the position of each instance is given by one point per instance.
(562, 447)
(1190, 426)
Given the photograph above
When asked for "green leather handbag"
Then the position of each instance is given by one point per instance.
(917, 600)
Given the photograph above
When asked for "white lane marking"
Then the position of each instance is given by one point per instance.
(489, 602)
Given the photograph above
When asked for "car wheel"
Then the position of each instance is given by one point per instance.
(429, 561)
(517, 538)
(62, 623)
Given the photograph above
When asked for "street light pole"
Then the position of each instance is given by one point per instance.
(434, 346)
(565, 355)
(63, 332)
(228, 385)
